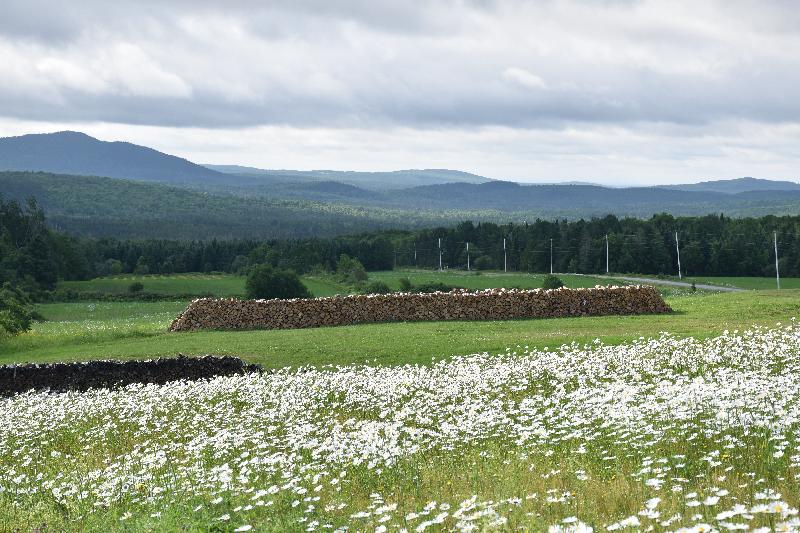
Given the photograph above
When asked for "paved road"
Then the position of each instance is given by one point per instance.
(655, 281)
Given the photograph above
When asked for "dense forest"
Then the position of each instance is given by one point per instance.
(104, 207)
(710, 245)
(31, 255)
(98, 207)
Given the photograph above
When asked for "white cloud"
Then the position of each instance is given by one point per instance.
(524, 78)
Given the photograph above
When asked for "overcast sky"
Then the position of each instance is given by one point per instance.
(615, 91)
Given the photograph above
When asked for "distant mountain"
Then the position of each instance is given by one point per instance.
(736, 186)
(588, 200)
(75, 153)
(70, 152)
(107, 207)
(378, 181)
(92, 187)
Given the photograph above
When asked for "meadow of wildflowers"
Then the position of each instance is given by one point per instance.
(662, 434)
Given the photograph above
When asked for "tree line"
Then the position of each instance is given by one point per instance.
(34, 257)
(711, 245)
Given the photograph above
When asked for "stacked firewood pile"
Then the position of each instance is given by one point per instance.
(490, 304)
(82, 376)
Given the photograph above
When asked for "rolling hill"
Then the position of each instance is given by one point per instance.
(108, 207)
(98, 188)
(75, 153)
(736, 186)
(375, 181)
(70, 152)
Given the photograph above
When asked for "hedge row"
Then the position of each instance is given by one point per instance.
(490, 304)
(71, 295)
(62, 377)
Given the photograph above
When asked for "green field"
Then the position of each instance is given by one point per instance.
(484, 280)
(739, 282)
(199, 284)
(514, 440)
(85, 330)
(748, 283)
(139, 329)
(222, 285)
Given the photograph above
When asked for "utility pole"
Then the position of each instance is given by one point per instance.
(467, 257)
(505, 257)
(440, 254)
(551, 256)
(777, 272)
(678, 249)
(606, 253)
(415, 255)
(395, 259)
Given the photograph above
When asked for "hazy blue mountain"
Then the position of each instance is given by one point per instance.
(76, 153)
(70, 152)
(379, 181)
(738, 185)
(190, 200)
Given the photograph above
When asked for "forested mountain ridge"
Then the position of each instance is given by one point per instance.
(34, 257)
(129, 191)
(70, 152)
(75, 153)
(373, 181)
(106, 207)
(737, 185)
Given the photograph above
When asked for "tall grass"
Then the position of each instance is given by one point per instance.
(659, 434)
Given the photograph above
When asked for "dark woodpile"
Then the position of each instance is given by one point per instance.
(82, 376)
(490, 304)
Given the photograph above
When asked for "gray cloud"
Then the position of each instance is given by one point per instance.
(625, 66)
(418, 63)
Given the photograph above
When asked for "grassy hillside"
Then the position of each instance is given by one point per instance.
(135, 330)
(605, 427)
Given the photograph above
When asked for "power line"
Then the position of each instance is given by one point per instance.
(777, 269)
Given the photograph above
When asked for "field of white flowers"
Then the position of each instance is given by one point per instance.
(661, 434)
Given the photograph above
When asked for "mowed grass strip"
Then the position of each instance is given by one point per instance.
(486, 280)
(740, 282)
(749, 283)
(226, 285)
(216, 284)
(123, 330)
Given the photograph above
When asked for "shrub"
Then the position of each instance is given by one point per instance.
(552, 282)
(377, 287)
(135, 287)
(405, 284)
(239, 264)
(265, 282)
(16, 311)
(350, 270)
